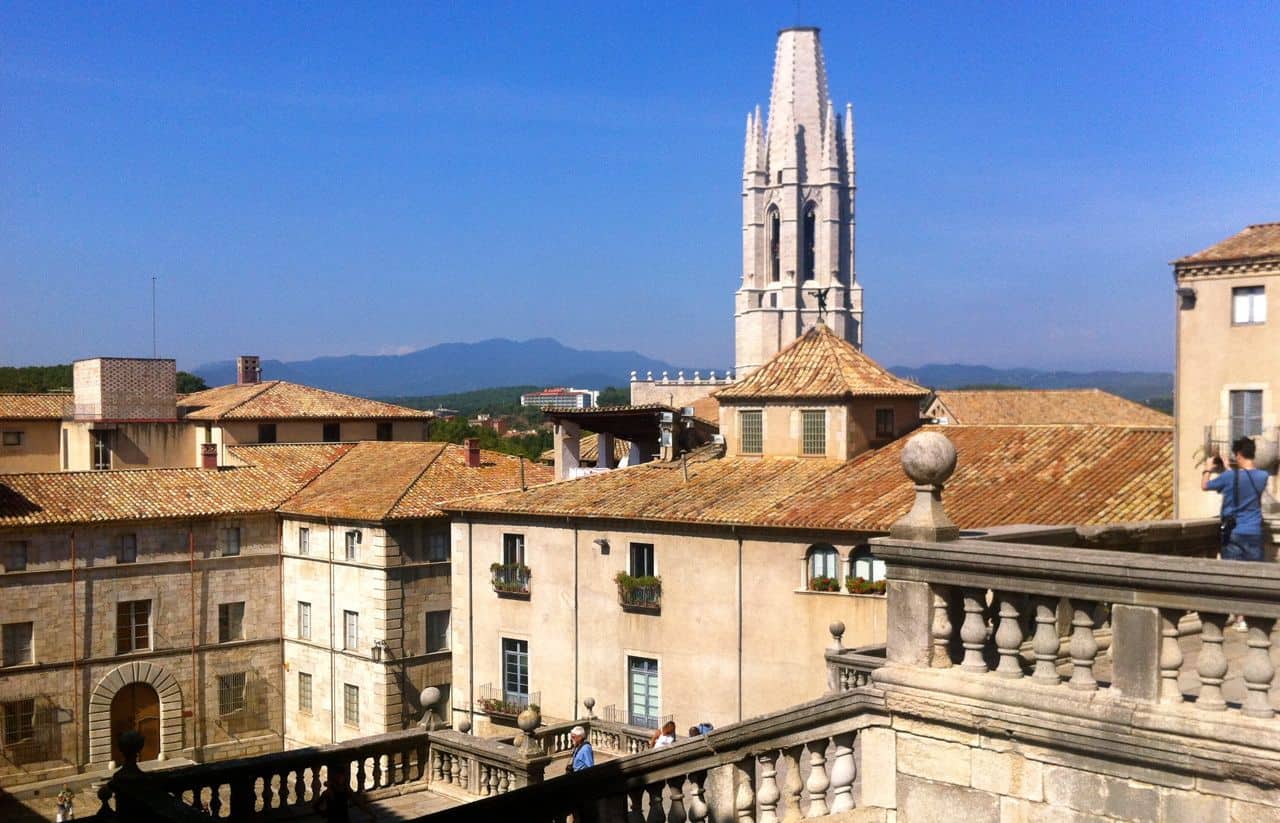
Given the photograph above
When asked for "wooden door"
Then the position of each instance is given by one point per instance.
(136, 707)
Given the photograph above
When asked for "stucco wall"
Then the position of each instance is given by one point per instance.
(850, 426)
(312, 431)
(40, 449)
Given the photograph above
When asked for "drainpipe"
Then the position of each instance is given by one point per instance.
(284, 687)
(75, 641)
(575, 621)
(333, 671)
(196, 680)
(739, 538)
(471, 630)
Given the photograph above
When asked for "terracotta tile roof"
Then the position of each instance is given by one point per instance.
(1259, 240)
(33, 406)
(1007, 475)
(589, 450)
(1033, 406)
(282, 400)
(819, 364)
(296, 462)
(397, 480)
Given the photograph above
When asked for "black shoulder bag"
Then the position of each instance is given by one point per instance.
(1228, 524)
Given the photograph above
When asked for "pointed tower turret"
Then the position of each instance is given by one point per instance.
(797, 210)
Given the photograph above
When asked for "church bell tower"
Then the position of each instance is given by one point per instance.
(797, 211)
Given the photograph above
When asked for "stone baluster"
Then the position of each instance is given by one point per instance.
(1258, 670)
(635, 805)
(482, 779)
(464, 776)
(941, 628)
(843, 773)
(817, 784)
(377, 772)
(362, 782)
(1084, 646)
(656, 812)
(698, 810)
(437, 765)
(299, 786)
(675, 797)
(793, 784)
(973, 633)
(767, 793)
(1212, 665)
(1170, 656)
(1045, 640)
(316, 781)
(267, 794)
(744, 796)
(1009, 635)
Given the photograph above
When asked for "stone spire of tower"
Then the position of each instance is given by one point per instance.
(850, 162)
(830, 151)
(799, 95)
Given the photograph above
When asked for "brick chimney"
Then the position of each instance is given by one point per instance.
(473, 452)
(248, 370)
(208, 455)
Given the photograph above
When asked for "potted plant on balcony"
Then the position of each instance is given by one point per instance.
(639, 592)
(861, 585)
(822, 583)
(510, 578)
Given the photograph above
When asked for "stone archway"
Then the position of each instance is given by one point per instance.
(154, 675)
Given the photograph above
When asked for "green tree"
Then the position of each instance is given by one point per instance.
(614, 396)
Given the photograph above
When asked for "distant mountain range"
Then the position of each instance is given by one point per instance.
(461, 367)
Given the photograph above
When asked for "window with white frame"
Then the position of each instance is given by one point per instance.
(127, 549)
(230, 622)
(824, 561)
(100, 449)
(814, 430)
(751, 431)
(15, 555)
(1248, 305)
(231, 693)
(513, 549)
(351, 705)
(643, 692)
(350, 631)
(304, 692)
(304, 620)
(352, 540)
(866, 565)
(18, 646)
(438, 631)
(133, 626)
(304, 540)
(642, 562)
(515, 670)
(1246, 413)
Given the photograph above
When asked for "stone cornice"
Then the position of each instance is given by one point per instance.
(1227, 268)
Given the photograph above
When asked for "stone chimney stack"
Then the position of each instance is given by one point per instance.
(473, 452)
(248, 370)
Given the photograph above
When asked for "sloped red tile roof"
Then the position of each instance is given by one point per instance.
(1006, 475)
(379, 480)
(297, 462)
(1034, 406)
(33, 406)
(588, 450)
(819, 364)
(282, 400)
(1261, 240)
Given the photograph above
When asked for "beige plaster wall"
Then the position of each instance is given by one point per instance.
(850, 426)
(40, 450)
(1214, 357)
(312, 431)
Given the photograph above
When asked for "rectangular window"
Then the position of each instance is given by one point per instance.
(350, 631)
(1248, 305)
(751, 432)
(642, 564)
(304, 541)
(884, 423)
(266, 432)
(384, 431)
(13, 438)
(231, 693)
(515, 670)
(230, 622)
(19, 721)
(815, 432)
(1246, 414)
(128, 549)
(438, 548)
(513, 549)
(351, 705)
(353, 539)
(133, 626)
(15, 556)
(231, 541)
(643, 694)
(304, 620)
(17, 639)
(437, 631)
(332, 432)
(304, 692)
(100, 450)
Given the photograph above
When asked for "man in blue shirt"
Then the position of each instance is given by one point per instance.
(583, 756)
(1241, 490)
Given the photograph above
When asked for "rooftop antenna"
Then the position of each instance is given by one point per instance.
(154, 349)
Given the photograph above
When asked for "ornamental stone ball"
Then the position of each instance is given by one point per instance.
(429, 697)
(929, 458)
(529, 719)
(464, 725)
(1267, 456)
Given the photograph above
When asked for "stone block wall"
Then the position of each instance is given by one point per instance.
(125, 388)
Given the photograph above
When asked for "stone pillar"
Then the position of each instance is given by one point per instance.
(910, 623)
(567, 440)
(1135, 651)
(929, 459)
(604, 451)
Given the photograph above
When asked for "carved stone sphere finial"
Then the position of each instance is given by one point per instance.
(836, 629)
(590, 704)
(429, 697)
(464, 725)
(529, 719)
(929, 458)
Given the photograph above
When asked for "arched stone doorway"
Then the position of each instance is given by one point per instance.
(164, 716)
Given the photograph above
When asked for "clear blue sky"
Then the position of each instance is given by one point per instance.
(318, 179)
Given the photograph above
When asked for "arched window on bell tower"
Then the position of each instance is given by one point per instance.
(810, 243)
(775, 234)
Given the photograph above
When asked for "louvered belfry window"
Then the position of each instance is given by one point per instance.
(815, 432)
(751, 424)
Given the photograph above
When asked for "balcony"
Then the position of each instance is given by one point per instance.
(639, 594)
(511, 580)
(1218, 438)
(505, 706)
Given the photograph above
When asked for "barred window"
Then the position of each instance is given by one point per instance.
(350, 631)
(128, 551)
(15, 556)
(304, 620)
(304, 692)
(230, 622)
(304, 541)
(350, 704)
(19, 721)
(231, 693)
(751, 424)
(17, 643)
(133, 626)
(815, 431)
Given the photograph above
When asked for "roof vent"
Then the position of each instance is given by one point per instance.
(473, 452)
(248, 370)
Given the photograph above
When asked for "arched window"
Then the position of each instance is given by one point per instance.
(810, 243)
(775, 233)
(866, 565)
(823, 566)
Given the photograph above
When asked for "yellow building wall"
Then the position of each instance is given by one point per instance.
(850, 427)
(312, 431)
(40, 449)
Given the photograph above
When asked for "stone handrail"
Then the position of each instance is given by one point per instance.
(480, 767)
(971, 604)
(851, 668)
(799, 762)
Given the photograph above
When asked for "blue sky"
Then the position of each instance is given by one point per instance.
(318, 179)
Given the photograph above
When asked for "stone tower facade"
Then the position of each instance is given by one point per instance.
(797, 210)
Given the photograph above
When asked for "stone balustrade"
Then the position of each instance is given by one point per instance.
(482, 767)
(851, 668)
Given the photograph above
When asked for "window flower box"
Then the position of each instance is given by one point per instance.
(511, 579)
(860, 585)
(642, 594)
(824, 584)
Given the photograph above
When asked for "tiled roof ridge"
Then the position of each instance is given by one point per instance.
(419, 412)
(347, 448)
(110, 472)
(943, 427)
(266, 384)
(409, 486)
(1263, 225)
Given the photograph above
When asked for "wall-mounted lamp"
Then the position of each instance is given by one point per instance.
(376, 652)
(603, 543)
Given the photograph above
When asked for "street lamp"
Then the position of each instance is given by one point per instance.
(376, 652)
